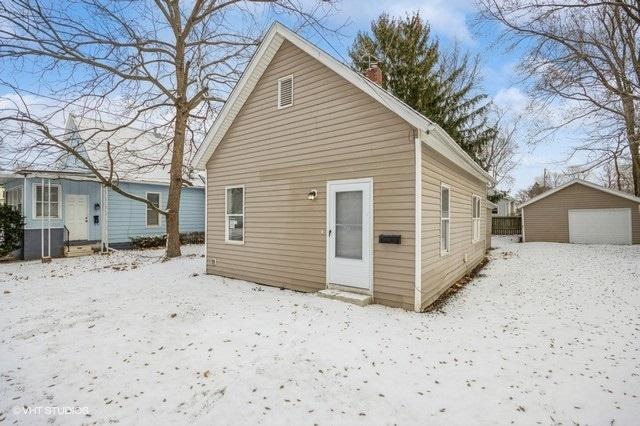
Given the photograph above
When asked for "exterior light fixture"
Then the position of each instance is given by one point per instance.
(312, 195)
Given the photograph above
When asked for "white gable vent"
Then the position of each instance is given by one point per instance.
(285, 92)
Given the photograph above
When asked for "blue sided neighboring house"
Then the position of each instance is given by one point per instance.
(68, 210)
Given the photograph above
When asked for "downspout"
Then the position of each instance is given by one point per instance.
(24, 196)
(522, 224)
(41, 218)
(486, 216)
(106, 217)
(48, 217)
(206, 219)
(102, 219)
(24, 212)
(418, 223)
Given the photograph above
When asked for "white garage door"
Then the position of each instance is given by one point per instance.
(600, 226)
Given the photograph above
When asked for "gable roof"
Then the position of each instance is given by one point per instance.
(137, 155)
(438, 139)
(584, 183)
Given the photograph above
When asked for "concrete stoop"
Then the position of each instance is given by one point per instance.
(345, 296)
(79, 250)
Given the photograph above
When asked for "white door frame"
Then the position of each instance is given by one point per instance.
(86, 213)
(328, 239)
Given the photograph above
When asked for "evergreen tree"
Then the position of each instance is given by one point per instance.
(441, 87)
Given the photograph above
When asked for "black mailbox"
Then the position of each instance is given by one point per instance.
(389, 239)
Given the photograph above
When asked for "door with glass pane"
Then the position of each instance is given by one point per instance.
(349, 235)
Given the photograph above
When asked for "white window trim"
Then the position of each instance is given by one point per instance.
(475, 221)
(226, 216)
(448, 250)
(34, 192)
(280, 80)
(146, 210)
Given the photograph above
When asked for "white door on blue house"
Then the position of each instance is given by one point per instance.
(76, 217)
(349, 233)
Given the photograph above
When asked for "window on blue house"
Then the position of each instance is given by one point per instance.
(13, 198)
(153, 217)
(46, 200)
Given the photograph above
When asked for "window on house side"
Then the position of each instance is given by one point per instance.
(475, 201)
(234, 215)
(445, 219)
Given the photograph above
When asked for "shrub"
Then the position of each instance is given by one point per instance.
(153, 241)
(11, 229)
(192, 238)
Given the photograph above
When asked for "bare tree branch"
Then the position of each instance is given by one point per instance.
(168, 64)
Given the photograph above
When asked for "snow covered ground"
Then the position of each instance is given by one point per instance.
(547, 333)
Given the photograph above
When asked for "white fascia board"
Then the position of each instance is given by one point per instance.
(584, 183)
(261, 58)
(442, 143)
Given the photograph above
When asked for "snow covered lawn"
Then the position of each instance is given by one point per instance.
(547, 333)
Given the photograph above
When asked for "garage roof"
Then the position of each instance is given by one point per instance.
(585, 183)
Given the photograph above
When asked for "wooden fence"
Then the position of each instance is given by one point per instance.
(506, 225)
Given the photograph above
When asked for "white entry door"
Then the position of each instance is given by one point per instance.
(600, 226)
(76, 216)
(349, 233)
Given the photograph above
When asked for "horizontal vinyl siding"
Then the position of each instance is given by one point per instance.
(548, 219)
(127, 217)
(192, 210)
(333, 131)
(440, 272)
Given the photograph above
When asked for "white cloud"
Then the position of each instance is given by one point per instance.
(512, 100)
(447, 17)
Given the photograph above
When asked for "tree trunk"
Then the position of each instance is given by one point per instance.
(175, 185)
(634, 146)
(618, 177)
(633, 138)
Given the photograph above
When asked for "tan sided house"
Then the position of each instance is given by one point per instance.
(318, 178)
(582, 212)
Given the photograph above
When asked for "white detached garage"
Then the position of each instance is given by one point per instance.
(582, 212)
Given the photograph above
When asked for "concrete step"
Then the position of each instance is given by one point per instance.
(75, 251)
(345, 296)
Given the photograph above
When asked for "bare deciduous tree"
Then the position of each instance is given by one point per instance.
(546, 181)
(585, 53)
(498, 156)
(167, 62)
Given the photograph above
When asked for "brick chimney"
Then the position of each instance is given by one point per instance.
(374, 73)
